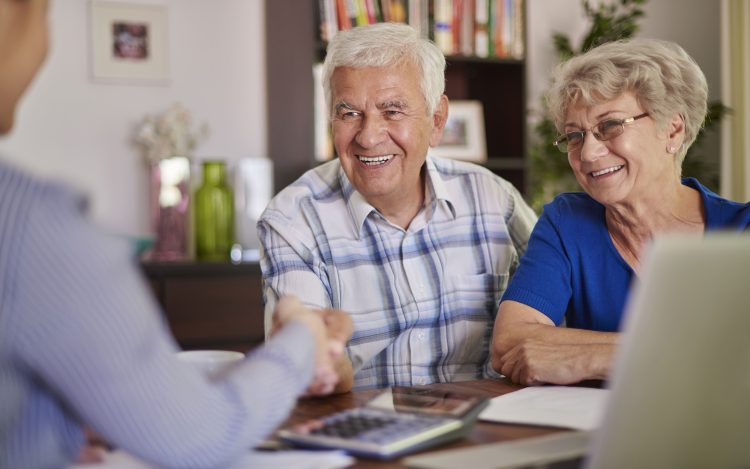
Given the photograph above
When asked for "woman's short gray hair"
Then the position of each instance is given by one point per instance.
(663, 77)
(385, 44)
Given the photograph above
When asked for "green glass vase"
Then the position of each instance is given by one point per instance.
(214, 214)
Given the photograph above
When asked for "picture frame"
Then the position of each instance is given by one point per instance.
(128, 42)
(464, 133)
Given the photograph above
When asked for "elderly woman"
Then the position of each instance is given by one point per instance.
(627, 113)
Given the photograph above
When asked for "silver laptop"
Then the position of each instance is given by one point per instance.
(681, 380)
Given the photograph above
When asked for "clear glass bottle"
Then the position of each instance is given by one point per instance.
(214, 214)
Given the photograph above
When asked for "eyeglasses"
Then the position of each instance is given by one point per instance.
(603, 131)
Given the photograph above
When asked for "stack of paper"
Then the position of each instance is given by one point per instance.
(553, 406)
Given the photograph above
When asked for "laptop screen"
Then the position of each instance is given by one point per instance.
(681, 380)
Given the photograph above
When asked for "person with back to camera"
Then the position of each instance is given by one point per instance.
(416, 249)
(82, 341)
(627, 113)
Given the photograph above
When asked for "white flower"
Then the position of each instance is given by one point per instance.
(167, 135)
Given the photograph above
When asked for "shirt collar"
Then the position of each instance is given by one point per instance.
(360, 209)
(439, 188)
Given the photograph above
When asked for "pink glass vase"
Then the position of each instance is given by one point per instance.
(170, 204)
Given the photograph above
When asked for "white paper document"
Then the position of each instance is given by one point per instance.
(554, 406)
(299, 459)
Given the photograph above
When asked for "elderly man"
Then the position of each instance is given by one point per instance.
(416, 249)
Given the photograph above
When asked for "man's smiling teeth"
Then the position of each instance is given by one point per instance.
(606, 170)
(374, 160)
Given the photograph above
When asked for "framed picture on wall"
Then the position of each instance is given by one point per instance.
(463, 136)
(129, 42)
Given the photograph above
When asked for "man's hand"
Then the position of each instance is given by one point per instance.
(94, 449)
(331, 330)
(340, 327)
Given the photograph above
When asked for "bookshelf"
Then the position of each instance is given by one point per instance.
(294, 45)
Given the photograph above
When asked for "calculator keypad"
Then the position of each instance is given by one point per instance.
(376, 432)
(375, 426)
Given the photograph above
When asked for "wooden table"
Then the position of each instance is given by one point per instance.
(484, 432)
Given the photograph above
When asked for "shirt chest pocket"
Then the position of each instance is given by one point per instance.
(472, 295)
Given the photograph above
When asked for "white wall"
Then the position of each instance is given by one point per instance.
(71, 128)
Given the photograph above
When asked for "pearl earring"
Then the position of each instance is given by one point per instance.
(670, 149)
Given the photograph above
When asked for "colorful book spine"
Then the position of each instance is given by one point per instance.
(328, 21)
(419, 16)
(519, 40)
(443, 34)
(508, 22)
(456, 14)
(343, 15)
(497, 27)
(351, 11)
(398, 11)
(481, 28)
(467, 28)
(360, 12)
(372, 13)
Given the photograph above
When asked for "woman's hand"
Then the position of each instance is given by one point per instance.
(534, 362)
(529, 349)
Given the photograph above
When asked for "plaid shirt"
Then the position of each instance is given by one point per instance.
(423, 300)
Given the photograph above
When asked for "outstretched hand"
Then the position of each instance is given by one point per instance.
(331, 330)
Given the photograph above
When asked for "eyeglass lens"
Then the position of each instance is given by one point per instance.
(603, 131)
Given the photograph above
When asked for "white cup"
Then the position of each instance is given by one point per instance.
(210, 362)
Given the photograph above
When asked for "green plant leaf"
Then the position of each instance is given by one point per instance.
(562, 46)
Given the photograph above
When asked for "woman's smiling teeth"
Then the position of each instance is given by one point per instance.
(604, 171)
(374, 160)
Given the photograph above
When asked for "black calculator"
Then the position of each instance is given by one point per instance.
(397, 422)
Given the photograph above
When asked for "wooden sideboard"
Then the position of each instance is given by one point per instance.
(210, 304)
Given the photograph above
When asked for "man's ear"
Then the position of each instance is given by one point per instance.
(438, 121)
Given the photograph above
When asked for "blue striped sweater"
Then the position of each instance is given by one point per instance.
(83, 342)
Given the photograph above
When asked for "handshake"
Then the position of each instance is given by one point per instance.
(331, 330)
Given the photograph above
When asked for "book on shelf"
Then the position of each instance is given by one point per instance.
(361, 13)
(373, 11)
(352, 9)
(443, 29)
(465, 30)
(343, 20)
(478, 28)
(328, 19)
(419, 16)
(481, 28)
(507, 28)
(394, 11)
(519, 49)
